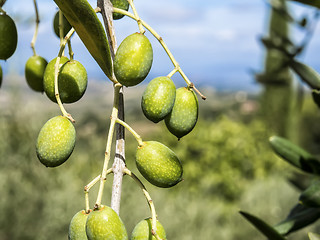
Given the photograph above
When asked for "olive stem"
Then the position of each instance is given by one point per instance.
(86, 192)
(172, 72)
(134, 133)
(71, 53)
(61, 25)
(56, 74)
(142, 31)
(149, 200)
(34, 38)
(163, 44)
(114, 116)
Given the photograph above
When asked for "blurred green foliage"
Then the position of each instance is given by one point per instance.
(225, 155)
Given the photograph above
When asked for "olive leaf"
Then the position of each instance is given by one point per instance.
(263, 227)
(316, 97)
(295, 155)
(299, 217)
(311, 196)
(84, 20)
(306, 73)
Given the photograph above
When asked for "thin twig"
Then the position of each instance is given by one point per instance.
(165, 47)
(149, 200)
(34, 38)
(56, 74)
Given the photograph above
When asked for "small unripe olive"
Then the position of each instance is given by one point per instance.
(72, 80)
(55, 141)
(77, 227)
(142, 231)
(122, 4)
(34, 71)
(158, 98)
(8, 36)
(105, 224)
(184, 115)
(158, 164)
(66, 25)
(133, 60)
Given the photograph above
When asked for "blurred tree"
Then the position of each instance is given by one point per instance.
(279, 98)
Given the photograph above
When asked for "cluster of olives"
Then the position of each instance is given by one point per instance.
(104, 223)
(8, 37)
(56, 139)
(160, 100)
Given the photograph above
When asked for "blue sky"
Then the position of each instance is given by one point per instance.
(215, 42)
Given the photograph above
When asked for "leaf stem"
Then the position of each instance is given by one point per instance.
(149, 200)
(34, 38)
(134, 133)
(113, 117)
(165, 47)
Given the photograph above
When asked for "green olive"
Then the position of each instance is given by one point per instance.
(133, 60)
(142, 231)
(105, 224)
(184, 115)
(158, 164)
(158, 98)
(34, 71)
(122, 4)
(77, 227)
(66, 25)
(8, 36)
(72, 80)
(55, 141)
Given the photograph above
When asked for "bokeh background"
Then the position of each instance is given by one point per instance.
(228, 163)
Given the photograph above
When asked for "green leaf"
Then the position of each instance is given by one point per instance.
(295, 155)
(299, 217)
(314, 3)
(306, 73)
(316, 97)
(313, 236)
(84, 20)
(263, 227)
(311, 196)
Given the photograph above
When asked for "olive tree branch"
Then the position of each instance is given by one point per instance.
(119, 161)
(149, 200)
(34, 38)
(114, 116)
(177, 67)
(106, 8)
